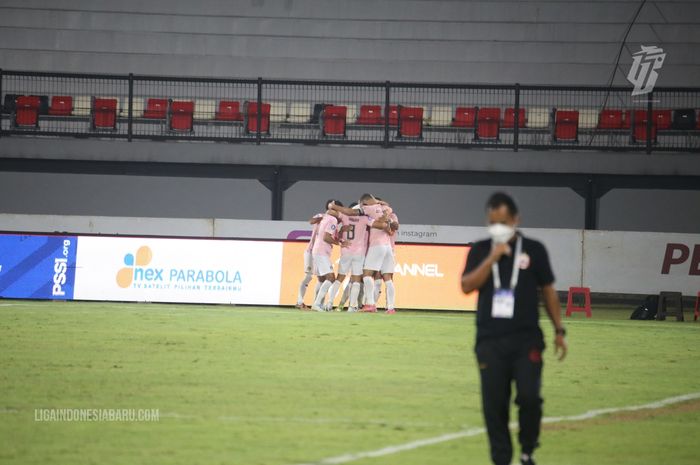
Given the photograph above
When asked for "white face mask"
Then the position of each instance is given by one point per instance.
(501, 233)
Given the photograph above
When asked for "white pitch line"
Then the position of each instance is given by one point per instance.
(389, 450)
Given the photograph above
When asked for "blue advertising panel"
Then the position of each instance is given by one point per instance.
(37, 267)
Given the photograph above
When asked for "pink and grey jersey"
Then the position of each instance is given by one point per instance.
(314, 233)
(376, 236)
(356, 236)
(329, 224)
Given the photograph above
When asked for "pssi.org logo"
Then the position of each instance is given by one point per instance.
(137, 273)
(125, 276)
(644, 66)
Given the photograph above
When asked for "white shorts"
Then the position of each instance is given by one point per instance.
(322, 265)
(351, 263)
(380, 258)
(308, 262)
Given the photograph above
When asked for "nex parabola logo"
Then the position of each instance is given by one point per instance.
(125, 276)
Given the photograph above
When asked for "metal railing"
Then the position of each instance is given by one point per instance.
(387, 114)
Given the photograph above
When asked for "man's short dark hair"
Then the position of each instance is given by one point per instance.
(353, 205)
(498, 199)
(338, 202)
(366, 197)
(325, 205)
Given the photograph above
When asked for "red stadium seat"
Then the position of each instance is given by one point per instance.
(393, 115)
(181, 115)
(370, 114)
(410, 122)
(333, 120)
(610, 119)
(488, 123)
(156, 108)
(104, 113)
(229, 111)
(27, 111)
(61, 105)
(509, 118)
(465, 117)
(566, 126)
(662, 119)
(251, 118)
(627, 117)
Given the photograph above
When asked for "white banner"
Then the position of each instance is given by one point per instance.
(641, 263)
(178, 270)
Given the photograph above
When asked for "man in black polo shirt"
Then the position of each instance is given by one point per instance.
(508, 270)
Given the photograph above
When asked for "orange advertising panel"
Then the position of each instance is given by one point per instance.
(426, 276)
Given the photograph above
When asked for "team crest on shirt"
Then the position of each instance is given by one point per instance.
(524, 261)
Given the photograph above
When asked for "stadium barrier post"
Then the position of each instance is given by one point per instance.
(130, 120)
(650, 122)
(387, 101)
(516, 114)
(258, 114)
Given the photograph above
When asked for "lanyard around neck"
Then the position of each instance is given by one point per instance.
(495, 272)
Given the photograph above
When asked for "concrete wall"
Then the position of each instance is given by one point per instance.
(555, 42)
(147, 196)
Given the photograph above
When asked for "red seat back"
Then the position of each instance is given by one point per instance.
(370, 114)
(27, 111)
(410, 122)
(393, 115)
(229, 111)
(252, 117)
(610, 119)
(566, 125)
(104, 113)
(489, 120)
(465, 117)
(662, 118)
(509, 118)
(156, 108)
(181, 115)
(640, 117)
(61, 105)
(334, 120)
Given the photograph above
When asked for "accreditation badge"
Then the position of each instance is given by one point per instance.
(503, 304)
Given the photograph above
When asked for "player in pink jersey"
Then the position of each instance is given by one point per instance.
(356, 229)
(379, 253)
(321, 252)
(308, 259)
(390, 288)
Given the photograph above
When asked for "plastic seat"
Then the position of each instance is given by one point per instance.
(410, 122)
(489, 121)
(441, 116)
(229, 111)
(251, 118)
(204, 110)
(156, 108)
(393, 115)
(299, 112)
(180, 115)
(587, 118)
(370, 114)
(27, 111)
(509, 118)
(538, 117)
(278, 112)
(566, 126)
(333, 120)
(662, 118)
(465, 117)
(61, 105)
(104, 113)
(610, 119)
(684, 119)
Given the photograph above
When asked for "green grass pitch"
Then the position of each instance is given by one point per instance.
(275, 386)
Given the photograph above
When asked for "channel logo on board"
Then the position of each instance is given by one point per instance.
(143, 257)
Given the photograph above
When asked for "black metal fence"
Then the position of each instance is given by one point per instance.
(361, 113)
